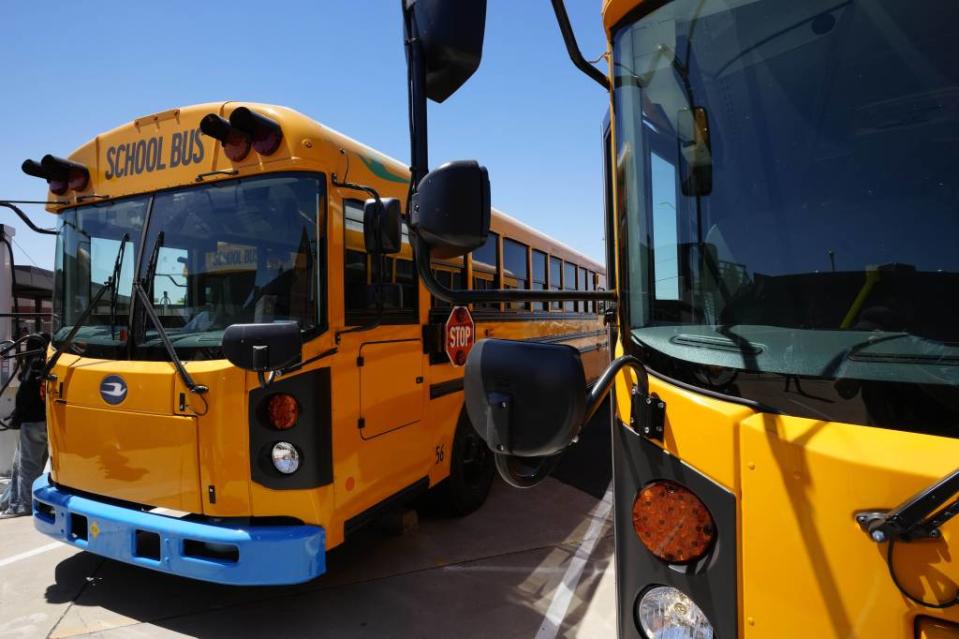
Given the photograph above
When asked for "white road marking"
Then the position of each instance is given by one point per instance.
(563, 596)
(31, 553)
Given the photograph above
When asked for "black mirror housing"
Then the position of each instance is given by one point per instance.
(451, 208)
(382, 226)
(451, 35)
(263, 347)
(523, 398)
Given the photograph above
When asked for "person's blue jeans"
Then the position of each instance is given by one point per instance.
(28, 463)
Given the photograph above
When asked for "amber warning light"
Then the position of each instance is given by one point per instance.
(672, 522)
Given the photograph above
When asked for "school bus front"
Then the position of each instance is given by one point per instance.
(168, 456)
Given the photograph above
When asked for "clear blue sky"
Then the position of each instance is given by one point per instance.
(72, 70)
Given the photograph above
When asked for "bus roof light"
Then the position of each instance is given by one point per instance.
(672, 522)
(266, 133)
(60, 174)
(236, 143)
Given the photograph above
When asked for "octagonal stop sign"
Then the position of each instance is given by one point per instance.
(459, 334)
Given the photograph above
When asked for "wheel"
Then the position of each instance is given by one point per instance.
(471, 471)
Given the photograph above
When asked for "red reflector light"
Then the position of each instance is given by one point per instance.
(236, 146)
(282, 411)
(672, 522)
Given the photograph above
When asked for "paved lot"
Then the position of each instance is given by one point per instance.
(533, 563)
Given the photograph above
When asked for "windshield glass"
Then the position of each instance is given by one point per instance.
(236, 251)
(788, 180)
(87, 248)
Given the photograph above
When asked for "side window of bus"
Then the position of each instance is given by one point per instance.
(486, 267)
(556, 279)
(539, 277)
(582, 285)
(360, 270)
(569, 284)
(515, 270)
(450, 273)
(590, 285)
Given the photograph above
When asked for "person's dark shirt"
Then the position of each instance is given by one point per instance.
(28, 404)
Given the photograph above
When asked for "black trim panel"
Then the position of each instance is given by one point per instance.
(711, 583)
(312, 434)
(442, 389)
(395, 500)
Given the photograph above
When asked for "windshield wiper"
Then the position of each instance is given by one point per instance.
(115, 287)
(110, 284)
(140, 291)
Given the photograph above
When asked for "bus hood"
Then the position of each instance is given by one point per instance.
(126, 430)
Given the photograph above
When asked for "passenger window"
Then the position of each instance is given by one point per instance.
(539, 277)
(451, 274)
(360, 270)
(486, 267)
(515, 270)
(569, 284)
(556, 279)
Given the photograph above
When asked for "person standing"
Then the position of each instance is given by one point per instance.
(29, 415)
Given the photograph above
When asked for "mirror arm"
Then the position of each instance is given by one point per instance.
(601, 388)
(416, 81)
(27, 220)
(569, 38)
(421, 253)
(357, 187)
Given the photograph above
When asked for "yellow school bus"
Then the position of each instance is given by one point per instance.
(782, 195)
(187, 225)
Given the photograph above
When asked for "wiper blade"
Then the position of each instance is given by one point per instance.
(115, 287)
(84, 316)
(188, 380)
(139, 289)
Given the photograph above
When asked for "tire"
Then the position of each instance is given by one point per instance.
(471, 471)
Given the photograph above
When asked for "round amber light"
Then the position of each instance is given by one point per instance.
(672, 522)
(282, 411)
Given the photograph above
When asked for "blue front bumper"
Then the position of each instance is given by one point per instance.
(217, 552)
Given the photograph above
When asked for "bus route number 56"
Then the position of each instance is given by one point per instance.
(460, 335)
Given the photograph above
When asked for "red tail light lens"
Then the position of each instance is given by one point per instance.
(672, 522)
(236, 146)
(282, 411)
(78, 179)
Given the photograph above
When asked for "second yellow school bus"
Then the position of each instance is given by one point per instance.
(234, 481)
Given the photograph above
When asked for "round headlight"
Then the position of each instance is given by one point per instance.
(666, 613)
(286, 458)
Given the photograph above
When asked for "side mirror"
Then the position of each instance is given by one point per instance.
(451, 36)
(451, 207)
(695, 152)
(523, 398)
(382, 226)
(263, 347)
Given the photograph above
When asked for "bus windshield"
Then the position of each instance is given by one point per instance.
(787, 173)
(236, 251)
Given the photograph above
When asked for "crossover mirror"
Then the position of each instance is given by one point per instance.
(382, 226)
(451, 37)
(451, 208)
(525, 399)
(263, 347)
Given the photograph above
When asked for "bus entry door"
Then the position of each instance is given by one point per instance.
(391, 386)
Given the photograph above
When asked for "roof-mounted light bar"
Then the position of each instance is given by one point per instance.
(60, 174)
(236, 143)
(245, 129)
(265, 132)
